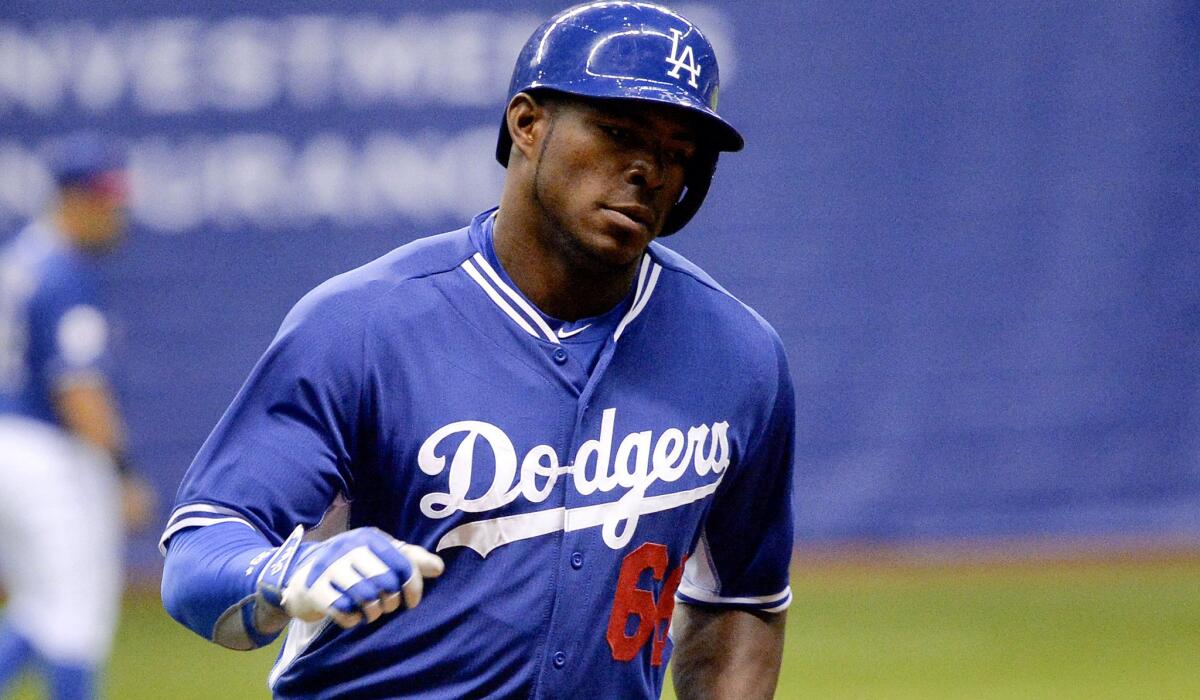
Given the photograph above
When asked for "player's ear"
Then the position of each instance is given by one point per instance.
(526, 118)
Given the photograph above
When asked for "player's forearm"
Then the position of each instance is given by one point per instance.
(88, 410)
(209, 577)
(726, 654)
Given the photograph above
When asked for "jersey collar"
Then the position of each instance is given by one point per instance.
(521, 312)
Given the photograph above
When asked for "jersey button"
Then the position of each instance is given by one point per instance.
(577, 560)
(560, 659)
(560, 355)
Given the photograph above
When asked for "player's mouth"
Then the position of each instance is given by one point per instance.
(634, 217)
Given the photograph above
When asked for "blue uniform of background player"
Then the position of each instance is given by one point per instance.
(546, 425)
(60, 434)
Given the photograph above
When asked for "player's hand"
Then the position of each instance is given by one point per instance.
(355, 577)
(138, 502)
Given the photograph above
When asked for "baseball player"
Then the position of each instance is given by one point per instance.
(536, 457)
(61, 439)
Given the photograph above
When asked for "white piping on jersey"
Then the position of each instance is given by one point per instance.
(782, 606)
(531, 313)
(773, 603)
(643, 294)
(196, 522)
(497, 289)
(701, 582)
(641, 282)
(201, 511)
(499, 300)
(483, 536)
(201, 508)
(200, 516)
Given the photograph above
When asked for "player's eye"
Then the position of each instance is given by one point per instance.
(679, 156)
(616, 133)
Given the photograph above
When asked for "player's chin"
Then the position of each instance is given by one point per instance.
(618, 240)
(613, 253)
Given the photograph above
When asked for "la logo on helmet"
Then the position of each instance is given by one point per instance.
(685, 61)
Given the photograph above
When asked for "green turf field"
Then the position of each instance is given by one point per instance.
(1028, 631)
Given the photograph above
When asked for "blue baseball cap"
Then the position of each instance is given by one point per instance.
(86, 160)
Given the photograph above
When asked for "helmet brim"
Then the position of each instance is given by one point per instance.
(719, 134)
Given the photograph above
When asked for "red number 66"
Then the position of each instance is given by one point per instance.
(653, 616)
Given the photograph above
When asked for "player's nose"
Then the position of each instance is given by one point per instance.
(645, 171)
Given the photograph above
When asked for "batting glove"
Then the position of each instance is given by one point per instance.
(355, 577)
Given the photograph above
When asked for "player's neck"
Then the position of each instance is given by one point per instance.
(561, 283)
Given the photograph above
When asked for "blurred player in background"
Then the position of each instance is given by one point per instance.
(64, 488)
(581, 423)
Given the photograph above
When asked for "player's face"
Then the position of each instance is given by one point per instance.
(99, 218)
(609, 172)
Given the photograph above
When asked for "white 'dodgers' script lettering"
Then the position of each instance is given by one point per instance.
(639, 461)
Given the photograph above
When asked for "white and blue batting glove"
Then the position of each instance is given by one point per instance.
(352, 578)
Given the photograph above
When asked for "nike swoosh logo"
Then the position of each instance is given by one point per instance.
(568, 334)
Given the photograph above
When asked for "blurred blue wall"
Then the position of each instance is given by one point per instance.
(976, 226)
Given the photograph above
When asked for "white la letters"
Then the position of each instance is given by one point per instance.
(682, 61)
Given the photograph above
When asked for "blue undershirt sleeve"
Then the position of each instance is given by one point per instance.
(210, 570)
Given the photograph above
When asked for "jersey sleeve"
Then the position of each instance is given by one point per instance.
(70, 327)
(741, 559)
(281, 454)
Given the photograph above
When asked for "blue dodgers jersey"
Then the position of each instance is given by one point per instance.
(52, 324)
(571, 508)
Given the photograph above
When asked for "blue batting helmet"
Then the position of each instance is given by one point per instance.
(630, 51)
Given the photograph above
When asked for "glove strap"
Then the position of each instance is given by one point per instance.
(274, 575)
